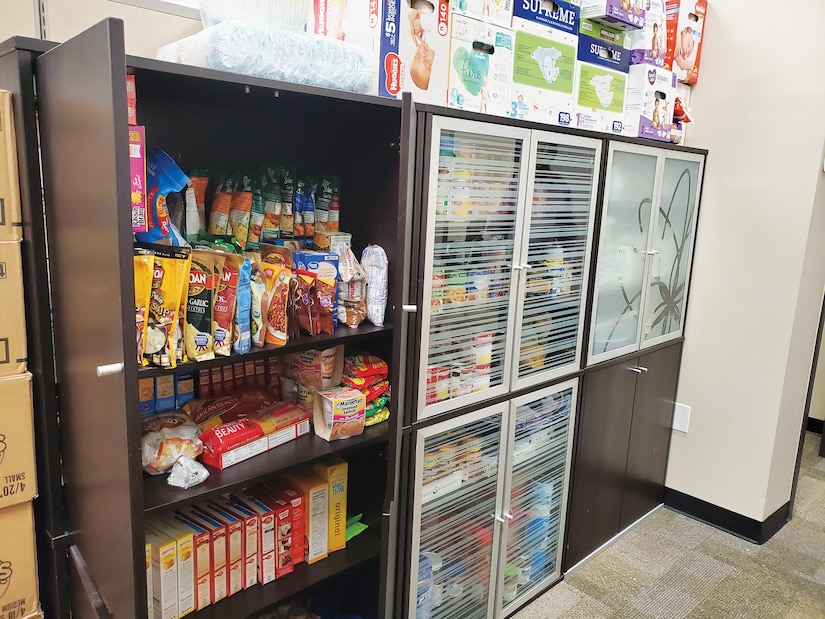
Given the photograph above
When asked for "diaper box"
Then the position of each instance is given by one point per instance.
(495, 11)
(648, 45)
(544, 61)
(481, 66)
(651, 92)
(13, 356)
(624, 14)
(414, 50)
(11, 219)
(18, 476)
(18, 562)
(685, 25)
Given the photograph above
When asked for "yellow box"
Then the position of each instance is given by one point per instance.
(12, 311)
(11, 222)
(315, 491)
(164, 575)
(335, 472)
(18, 477)
(150, 592)
(186, 560)
(18, 562)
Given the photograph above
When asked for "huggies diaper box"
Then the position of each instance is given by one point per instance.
(685, 24)
(648, 45)
(414, 50)
(651, 92)
(601, 77)
(495, 11)
(621, 14)
(544, 61)
(481, 65)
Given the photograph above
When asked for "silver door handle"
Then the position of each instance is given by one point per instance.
(637, 370)
(410, 309)
(519, 267)
(641, 369)
(108, 370)
(498, 518)
(652, 252)
(508, 515)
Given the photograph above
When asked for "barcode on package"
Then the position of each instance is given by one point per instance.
(303, 428)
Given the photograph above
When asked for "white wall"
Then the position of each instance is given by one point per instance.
(818, 397)
(758, 276)
(17, 18)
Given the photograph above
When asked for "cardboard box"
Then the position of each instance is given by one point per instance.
(283, 528)
(544, 63)
(685, 25)
(146, 395)
(651, 92)
(266, 534)
(622, 14)
(18, 562)
(323, 264)
(335, 473)
(339, 413)
(234, 544)
(202, 568)
(131, 99)
(250, 523)
(217, 537)
(204, 383)
(164, 574)
(185, 543)
(315, 492)
(648, 45)
(499, 12)
(137, 179)
(216, 382)
(165, 393)
(150, 596)
(12, 311)
(481, 66)
(18, 475)
(296, 509)
(228, 384)
(414, 50)
(11, 220)
(184, 389)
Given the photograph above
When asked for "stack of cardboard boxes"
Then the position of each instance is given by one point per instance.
(18, 486)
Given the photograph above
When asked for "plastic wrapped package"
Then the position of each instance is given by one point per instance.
(277, 54)
(286, 14)
(165, 439)
(375, 264)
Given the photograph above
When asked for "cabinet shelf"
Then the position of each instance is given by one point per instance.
(359, 550)
(159, 497)
(342, 335)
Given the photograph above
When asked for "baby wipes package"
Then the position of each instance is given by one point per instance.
(544, 59)
(497, 12)
(601, 77)
(414, 50)
(481, 66)
(648, 45)
(624, 14)
(651, 94)
(685, 24)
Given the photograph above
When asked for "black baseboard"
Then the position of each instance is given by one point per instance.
(721, 518)
(815, 425)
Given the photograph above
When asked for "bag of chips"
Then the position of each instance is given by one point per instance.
(241, 332)
(169, 277)
(271, 195)
(257, 310)
(219, 212)
(365, 365)
(286, 181)
(256, 218)
(277, 290)
(373, 391)
(240, 208)
(224, 311)
(199, 306)
(143, 266)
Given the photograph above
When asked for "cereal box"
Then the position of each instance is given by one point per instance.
(335, 472)
(250, 523)
(184, 539)
(202, 545)
(137, 178)
(315, 492)
(165, 575)
(266, 534)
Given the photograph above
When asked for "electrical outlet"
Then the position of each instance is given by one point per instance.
(681, 417)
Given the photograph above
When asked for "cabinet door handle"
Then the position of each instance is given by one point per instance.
(642, 369)
(508, 515)
(526, 267)
(497, 518)
(109, 369)
(519, 267)
(652, 252)
(637, 370)
(410, 309)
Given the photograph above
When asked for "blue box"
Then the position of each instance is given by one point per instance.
(184, 389)
(165, 393)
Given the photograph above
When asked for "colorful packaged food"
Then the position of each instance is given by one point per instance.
(317, 369)
(373, 391)
(375, 264)
(378, 417)
(277, 289)
(365, 365)
(166, 438)
(240, 208)
(271, 196)
(211, 412)
(199, 305)
(143, 266)
(257, 309)
(361, 382)
(241, 332)
(325, 291)
(224, 311)
(352, 313)
(169, 276)
(196, 204)
(306, 310)
(293, 300)
(339, 413)
(137, 178)
(286, 181)
(219, 212)
(327, 202)
(256, 217)
(163, 177)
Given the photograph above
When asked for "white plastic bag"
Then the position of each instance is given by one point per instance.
(187, 473)
(375, 264)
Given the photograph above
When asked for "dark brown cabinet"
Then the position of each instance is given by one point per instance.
(622, 441)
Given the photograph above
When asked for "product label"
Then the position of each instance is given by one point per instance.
(391, 79)
(543, 64)
(614, 11)
(565, 17)
(601, 89)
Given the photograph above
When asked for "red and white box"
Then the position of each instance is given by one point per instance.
(203, 559)
(250, 522)
(283, 528)
(217, 533)
(234, 545)
(266, 534)
(283, 491)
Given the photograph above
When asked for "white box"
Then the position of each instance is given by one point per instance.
(624, 14)
(165, 575)
(498, 12)
(544, 62)
(481, 66)
(648, 45)
(651, 92)
(184, 538)
(685, 25)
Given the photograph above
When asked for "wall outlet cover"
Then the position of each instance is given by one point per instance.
(681, 417)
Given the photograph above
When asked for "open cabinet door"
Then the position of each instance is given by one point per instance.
(82, 105)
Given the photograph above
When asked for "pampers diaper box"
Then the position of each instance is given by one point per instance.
(601, 78)
(544, 62)
(481, 66)
(623, 14)
(496, 11)
(651, 92)
(648, 45)
(685, 25)
(415, 49)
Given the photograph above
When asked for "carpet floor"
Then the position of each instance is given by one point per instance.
(670, 566)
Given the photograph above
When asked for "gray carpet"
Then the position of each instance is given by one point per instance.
(670, 566)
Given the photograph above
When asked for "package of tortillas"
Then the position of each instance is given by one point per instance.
(375, 264)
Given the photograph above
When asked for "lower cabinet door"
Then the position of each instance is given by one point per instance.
(456, 515)
(600, 459)
(540, 446)
(650, 433)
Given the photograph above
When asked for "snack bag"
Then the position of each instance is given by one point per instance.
(306, 310)
(199, 306)
(256, 217)
(277, 289)
(211, 412)
(257, 287)
(305, 209)
(240, 208)
(169, 276)
(374, 391)
(180, 325)
(166, 438)
(327, 198)
(143, 266)
(271, 195)
(365, 365)
(225, 305)
(375, 264)
(163, 177)
(219, 213)
(293, 300)
(196, 204)
(286, 178)
(241, 332)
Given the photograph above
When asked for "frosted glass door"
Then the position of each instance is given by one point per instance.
(673, 246)
(561, 200)
(620, 269)
(455, 531)
(474, 194)
(541, 430)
